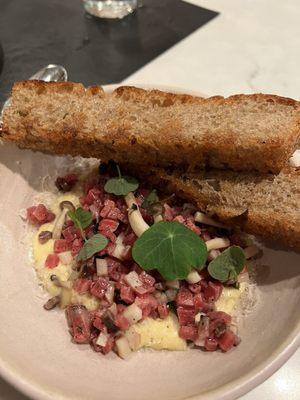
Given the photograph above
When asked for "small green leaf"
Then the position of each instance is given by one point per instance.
(121, 186)
(81, 217)
(150, 199)
(96, 243)
(171, 248)
(228, 265)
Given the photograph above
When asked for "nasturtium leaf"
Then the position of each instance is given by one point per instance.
(171, 248)
(150, 199)
(120, 186)
(81, 218)
(228, 265)
(96, 243)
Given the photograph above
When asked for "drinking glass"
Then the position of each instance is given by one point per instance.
(111, 8)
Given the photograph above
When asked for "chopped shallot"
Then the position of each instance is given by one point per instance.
(133, 280)
(113, 310)
(102, 266)
(133, 314)
(66, 257)
(102, 339)
(110, 292)
(120, 248)
(193, 277)
(123, 347)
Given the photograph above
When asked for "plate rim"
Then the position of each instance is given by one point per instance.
(229, 391)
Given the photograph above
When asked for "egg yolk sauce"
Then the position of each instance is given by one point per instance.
(110, 302)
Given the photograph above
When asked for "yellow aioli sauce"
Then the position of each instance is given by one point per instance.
(62, 271)
(157, 334)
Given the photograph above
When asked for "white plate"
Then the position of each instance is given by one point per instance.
(37, 356)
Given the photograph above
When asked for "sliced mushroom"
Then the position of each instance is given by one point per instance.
(136, 221)
(204, 219)
(65, 207)
(217, 243)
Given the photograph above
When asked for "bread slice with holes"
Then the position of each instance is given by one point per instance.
(153, 128)
(266, 205)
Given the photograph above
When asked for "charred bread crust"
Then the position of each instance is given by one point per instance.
(148, 128)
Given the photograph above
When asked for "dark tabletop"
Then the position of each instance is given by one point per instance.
(35, 33)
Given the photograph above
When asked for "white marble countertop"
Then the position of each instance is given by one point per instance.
(252, 46)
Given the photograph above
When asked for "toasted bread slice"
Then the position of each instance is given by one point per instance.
(267, 206)
(153, 128)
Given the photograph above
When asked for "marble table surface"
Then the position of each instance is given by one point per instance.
(252, 46)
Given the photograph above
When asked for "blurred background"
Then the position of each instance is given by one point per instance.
(210, 46)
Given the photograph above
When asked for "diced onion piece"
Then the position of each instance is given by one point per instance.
(136, 221)
(120, 248)
(134, 339)
(133, 280)
(173, 284)
(110, 292)
(123, 347)
(102, 267)
(65, 257)
(193, 277)
(171, 294)
(158, 218)
(217, 243)
(199, 342)
(65, 297)
(204, 219)
(161, 297)
(113, 309)
(102, 339)
(133, 314)
(213, 254)
(251, 251)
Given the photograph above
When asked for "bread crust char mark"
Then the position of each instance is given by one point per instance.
(150, 128)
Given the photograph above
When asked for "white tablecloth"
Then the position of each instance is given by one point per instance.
(252, 46)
